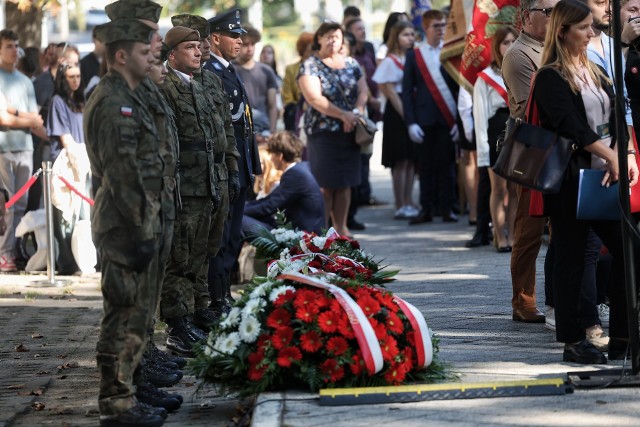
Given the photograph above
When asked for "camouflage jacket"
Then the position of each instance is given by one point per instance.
(124, 150)
(165, 122)
(200, 133)
(220, 101)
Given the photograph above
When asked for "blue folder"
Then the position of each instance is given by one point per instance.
(596, 202)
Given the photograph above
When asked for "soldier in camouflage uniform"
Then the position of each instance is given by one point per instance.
(122, 144)
(200, 134)
(152, 371)
(226, 170)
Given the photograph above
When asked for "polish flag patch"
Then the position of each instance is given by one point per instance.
(126, 111)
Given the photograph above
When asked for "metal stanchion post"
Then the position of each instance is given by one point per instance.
(51, 253)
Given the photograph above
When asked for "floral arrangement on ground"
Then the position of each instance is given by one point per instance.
(320, 319)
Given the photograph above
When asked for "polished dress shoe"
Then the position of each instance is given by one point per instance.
(583, 352)
(450, 217)
(479, 239)
(504, 249)
(532, 315)
(421, 218)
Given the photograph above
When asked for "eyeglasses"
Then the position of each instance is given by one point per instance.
(437, 26)
(547, 10)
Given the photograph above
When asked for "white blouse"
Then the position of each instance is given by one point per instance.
(389, 72)
(486, 102)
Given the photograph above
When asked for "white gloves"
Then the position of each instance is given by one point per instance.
(416, 134)
(454, 133)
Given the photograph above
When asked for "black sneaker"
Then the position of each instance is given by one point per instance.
(205, 319)
(150, 394)
(583, 352)
(158, 354)
(136, 416)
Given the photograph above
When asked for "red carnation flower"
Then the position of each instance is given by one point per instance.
(328, 322)
(386, 299)
(357, 365)
(389, 348)
(255, 358)
(331, 368)
(337, 345)
(378, 328)
(355, 244)
(395, 374)
(322, 300)
(282, 338)
(284, 298)
(307, 313)
(279, 318)
(369, 305)
(304, 297)
(256, 374)
(394, 323)
(310, 342)
(287, 356)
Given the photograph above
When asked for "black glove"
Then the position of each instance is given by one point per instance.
(234, 185)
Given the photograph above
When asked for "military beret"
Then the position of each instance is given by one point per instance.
(194, 22)
(227, 21)
(124, 30)
(177, 35)
(139, 9)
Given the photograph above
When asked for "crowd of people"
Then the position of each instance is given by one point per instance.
(187, 143)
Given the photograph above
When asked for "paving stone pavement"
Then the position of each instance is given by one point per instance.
(464, 295)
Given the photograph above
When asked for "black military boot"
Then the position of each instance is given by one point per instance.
(151, 395)
(136, 416)
(161, 376)
(180, 341)
(161, 412)
(205, 319)
(158, 354)
(193, 330)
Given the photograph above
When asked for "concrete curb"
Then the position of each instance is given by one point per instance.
(269, 410)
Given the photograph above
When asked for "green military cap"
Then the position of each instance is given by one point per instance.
(139, 9)
(124, 30)
(194, 22)
(177, 35)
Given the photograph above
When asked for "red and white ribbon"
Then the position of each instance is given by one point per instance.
(369, 345)
(424, 348)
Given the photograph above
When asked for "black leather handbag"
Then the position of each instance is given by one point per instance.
(534, 157)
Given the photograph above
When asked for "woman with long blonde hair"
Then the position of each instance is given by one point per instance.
(576, 100)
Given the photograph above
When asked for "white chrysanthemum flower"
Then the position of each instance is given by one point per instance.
(249, 329)
(275, 293)
(260, 290)
(253, 307)
(208, 351)
(227, 343)
(285, 255)
(231, 319)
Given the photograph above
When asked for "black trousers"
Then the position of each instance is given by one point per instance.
(570, 237)
(483, 202)
(437, 156)
(221, 265)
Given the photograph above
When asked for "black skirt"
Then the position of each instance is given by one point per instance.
(396, 144)
(496, 126)
(334, 158)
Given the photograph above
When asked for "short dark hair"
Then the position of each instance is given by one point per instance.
(252, 34)
(8, 35)
(351, 11)
(287, 144)
(112, 48)
(348, 25)
(325, 28)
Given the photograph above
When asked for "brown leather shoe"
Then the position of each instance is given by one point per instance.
(528, 316)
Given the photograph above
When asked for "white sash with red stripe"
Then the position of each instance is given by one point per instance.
(430, 70)
(496, 82)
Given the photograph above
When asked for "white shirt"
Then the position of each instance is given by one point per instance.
(186, 78)
(223, 61)
(389, 72)
(486, 101)
(465, 111)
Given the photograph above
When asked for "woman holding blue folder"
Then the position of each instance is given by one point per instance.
(575, 99)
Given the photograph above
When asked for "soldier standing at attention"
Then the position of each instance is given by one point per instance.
(200, 133)
(153, 371)
(122, 144)
(225, 46)
(226, 165)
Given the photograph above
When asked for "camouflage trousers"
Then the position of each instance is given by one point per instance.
(130, 299)
(189, 251)
(201, 289)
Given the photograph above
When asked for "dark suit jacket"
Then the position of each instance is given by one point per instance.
(298, 195)
(249, 162)
(417, 102)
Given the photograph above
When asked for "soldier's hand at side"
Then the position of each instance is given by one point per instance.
(234, 185)
(145, 250)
